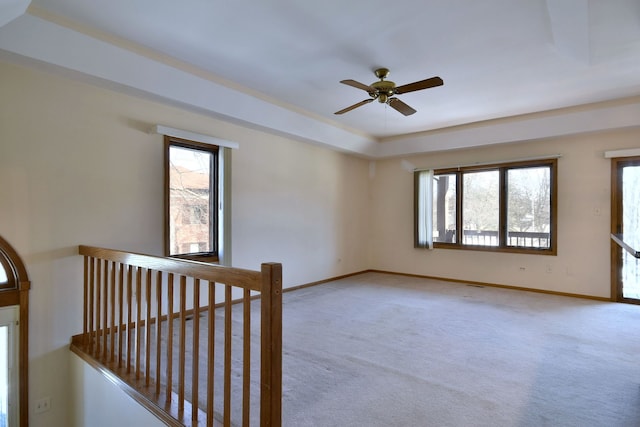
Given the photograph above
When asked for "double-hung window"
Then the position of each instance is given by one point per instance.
(191, 199)
(508, 207)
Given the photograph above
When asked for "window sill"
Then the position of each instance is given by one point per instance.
(209, 258)
(516, 250)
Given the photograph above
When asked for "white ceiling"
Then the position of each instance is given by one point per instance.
(498, 58)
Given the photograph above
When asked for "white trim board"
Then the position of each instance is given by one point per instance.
(193, 136)
(631, 152)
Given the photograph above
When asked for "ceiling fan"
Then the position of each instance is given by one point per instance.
(384, 91)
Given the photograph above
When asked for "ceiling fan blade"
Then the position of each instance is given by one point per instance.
(400, 106)
(359, 104)
(357, 85)
(422, 84)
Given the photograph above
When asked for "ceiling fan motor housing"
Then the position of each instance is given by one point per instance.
(383, 90)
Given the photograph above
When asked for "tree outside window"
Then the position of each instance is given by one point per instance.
(507, 207)
(191, 199)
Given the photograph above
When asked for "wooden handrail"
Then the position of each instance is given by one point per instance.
(123, 298)
(619, 240)
(236, 277)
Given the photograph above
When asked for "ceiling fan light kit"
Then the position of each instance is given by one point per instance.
(384, 91)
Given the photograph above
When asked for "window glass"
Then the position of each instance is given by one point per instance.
(631, 204)
(8, 366)
(630, 266)
(444, 208)
(507, 207)
(7, 280)
(192, 228)
(529, 207)
(13, 359)
(4, 376)
(481, 208)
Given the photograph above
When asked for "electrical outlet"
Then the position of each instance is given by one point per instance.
(43, 405)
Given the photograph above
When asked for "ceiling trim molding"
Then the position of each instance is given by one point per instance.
(76, 54)
(40, 40)
(160, 57)
(572, 121)
(12, 9)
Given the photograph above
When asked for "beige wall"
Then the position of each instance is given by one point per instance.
(96, 408)
(78, 166)
(301, 205)
(582, 265)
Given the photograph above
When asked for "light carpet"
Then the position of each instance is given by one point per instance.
(387, 350)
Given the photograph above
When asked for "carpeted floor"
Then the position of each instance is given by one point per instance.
(387, 350)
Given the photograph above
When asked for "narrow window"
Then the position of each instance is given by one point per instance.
(14, 338)
(8, 366)
(444, 208)
(191, 199)
(529, 207)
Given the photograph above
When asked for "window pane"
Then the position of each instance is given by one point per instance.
(481, 208)
(4, 376)
(444, 208)
(529, 207)
(7, 280)
(631, 204)
(630, 271)
(189, 201)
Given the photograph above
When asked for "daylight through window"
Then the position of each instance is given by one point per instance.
(505, 207)
(192, 199)
(8, 371)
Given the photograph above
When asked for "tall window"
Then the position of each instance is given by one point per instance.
(444, 207)
(505, 207)
(9, 357)
(191, 199)
(14, 338)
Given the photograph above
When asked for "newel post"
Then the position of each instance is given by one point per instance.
(271, 346)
